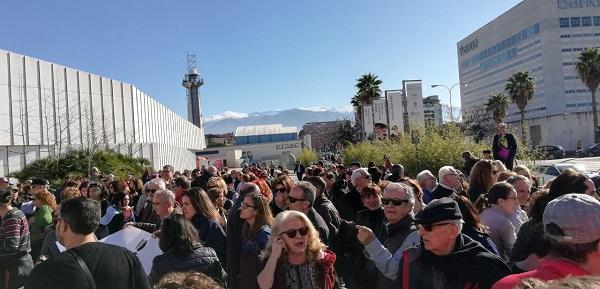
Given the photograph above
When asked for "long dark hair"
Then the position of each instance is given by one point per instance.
(569, 181)
(263, 216)
(470, 215)
(498, 191)
(203, 205)
(479, 178)
(177, 235)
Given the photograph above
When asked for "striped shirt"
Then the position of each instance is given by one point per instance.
(14, 233)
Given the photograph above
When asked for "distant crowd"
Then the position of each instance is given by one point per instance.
(488, 224)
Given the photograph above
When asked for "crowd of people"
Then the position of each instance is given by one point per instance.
(475, 227)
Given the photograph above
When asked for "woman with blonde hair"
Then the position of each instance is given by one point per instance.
(295, 255)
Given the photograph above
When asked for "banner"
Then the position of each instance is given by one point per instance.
(395, 112)
(380, 119)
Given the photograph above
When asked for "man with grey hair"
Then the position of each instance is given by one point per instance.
(450, 183)
(351, 203)
(301, 198)
(147, 194)
(523, 186)
(163, 204)
(428, 182)
(398, 202)
(445, 258)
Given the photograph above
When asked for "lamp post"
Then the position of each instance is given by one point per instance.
(450, 95)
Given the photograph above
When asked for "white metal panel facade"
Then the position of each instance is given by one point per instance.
(46, 106)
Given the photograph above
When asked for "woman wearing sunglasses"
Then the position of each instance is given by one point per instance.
(281, 188)
(483, 176)
(295, 257)
(255, 234)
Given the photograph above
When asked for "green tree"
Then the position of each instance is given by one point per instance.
(588, 69)
(520, 88)
(497, 105)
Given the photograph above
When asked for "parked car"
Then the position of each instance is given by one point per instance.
(552, 151)
(591, 151)
(547, 172)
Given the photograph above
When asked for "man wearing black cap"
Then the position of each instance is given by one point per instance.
(445, 258)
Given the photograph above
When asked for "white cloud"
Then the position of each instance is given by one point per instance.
(343, 109)
(347, 108)
(226, 115)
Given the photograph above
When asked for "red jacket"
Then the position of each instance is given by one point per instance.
(550, 269)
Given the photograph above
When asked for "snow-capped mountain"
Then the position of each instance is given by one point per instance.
(228, 121)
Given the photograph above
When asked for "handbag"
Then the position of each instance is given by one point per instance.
(85, 269)
(503, 153)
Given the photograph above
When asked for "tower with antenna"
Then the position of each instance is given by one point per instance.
(192, 82)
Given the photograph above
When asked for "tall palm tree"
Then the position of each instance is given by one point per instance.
(367, 90)
(588, 69)
(497, 105)
(520, 88)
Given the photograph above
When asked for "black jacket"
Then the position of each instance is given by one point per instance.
(204, 260)
(470, 265)
(329, 213)
(320, 225)
(350, 205)
(372, 220)
(212, 234)
(512, 147)
(441, 192)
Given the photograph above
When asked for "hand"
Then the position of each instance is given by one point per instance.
(277, 248)
(364, 235)
(127, 224)
(456, 185)
(156, 234)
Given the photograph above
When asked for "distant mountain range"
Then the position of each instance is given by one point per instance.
(229, 120)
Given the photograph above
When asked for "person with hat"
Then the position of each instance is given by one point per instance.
(444, 258)
(572, 226)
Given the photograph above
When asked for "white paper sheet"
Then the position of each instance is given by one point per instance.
(133, 239)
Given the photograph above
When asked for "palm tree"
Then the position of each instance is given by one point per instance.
(521, 87)
(497, 105)
(367, 90)
(588, 69)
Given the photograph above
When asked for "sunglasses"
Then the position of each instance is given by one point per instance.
(280, 190)
(395, 202)
(293, 200)
(292, 233)
(429, 227)
(494, 172)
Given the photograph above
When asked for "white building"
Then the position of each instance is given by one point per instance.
(46, 108)
(544, 37)
(432, 110)
(413, 107)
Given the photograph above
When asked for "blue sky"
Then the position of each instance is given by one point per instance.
(254, 55)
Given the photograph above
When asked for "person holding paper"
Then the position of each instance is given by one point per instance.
(86, 263)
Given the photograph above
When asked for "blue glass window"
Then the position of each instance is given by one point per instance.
(575, 21)
(564, 22)
(536, 28)
(596, 20)
(586, 21)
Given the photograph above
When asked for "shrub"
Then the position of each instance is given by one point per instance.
(437, 147)
(77, 163)
(307, 157)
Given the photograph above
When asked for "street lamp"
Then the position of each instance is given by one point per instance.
(450, 94)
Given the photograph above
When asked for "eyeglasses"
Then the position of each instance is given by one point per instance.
(151, 190)
(429, 227)
(280, 190)
(395, 202)
(512, 198)
(494, 172)
(292, 233)
(246, 206)
(293, 200)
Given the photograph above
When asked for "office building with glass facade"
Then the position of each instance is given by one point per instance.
(545, 38)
